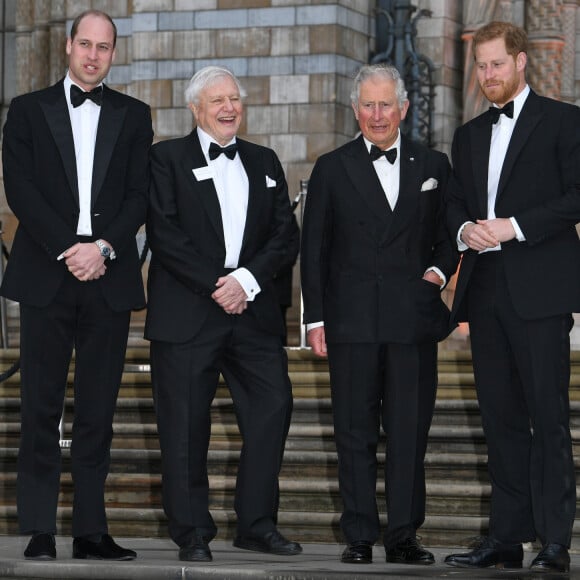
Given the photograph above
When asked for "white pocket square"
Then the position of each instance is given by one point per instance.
(430, 183)
(270, 182)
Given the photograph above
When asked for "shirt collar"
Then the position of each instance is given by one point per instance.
(519, 102)
(67, 85)
(395, 145)
(205, 139)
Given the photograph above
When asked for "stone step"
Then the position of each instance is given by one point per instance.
(437, 531)
(456, 462)
(309, 375)
(311, 494)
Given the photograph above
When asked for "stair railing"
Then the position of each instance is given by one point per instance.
(299, 202)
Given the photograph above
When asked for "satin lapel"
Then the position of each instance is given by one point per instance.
(110, 124)
(256, 188)
(411, 174)
(55, 110)
(528, 119)
(359, 167)
(193, 158)
(480, 133)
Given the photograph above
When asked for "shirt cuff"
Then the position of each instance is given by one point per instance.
(247, 282)
(461, 245)
(312, 325)
(519, 234)
(439, 273)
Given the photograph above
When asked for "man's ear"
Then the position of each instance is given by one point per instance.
(521, 61)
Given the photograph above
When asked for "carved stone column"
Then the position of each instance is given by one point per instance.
(546, 46)
(57, 41)
(39, 59)
(569, 15)
(40, 43)
(24, 26)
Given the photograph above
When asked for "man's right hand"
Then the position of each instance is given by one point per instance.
(317, 340)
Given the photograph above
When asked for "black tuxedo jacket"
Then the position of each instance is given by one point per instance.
(185, 233)
(362, 264)
(41, 184)
(539, 186)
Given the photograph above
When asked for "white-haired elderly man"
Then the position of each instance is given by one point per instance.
(219, 227)
(375, 254)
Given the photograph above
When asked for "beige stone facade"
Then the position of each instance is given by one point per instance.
(295, 58)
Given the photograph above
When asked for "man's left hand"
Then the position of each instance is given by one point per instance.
(230, 295)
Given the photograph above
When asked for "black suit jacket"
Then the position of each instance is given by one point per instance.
(539, 186)
(362, 264)
(185, 233)
(41, 184)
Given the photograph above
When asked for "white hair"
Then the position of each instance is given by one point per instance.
(205, 77)
(384, 71)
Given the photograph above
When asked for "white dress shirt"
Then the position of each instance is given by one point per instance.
(84, 121)
(388, 173)
(232, 187)
(501, 134)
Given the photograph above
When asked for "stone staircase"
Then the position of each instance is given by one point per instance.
(457, 483)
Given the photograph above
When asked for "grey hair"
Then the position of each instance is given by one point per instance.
(383, 71)
(205, 77)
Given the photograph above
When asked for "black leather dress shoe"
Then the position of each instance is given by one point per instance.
(358, 553)
(489, 553)
(552, 558)
(106, 549)
(270, 543)
(196, 550)
(409, 551)
(41, 547)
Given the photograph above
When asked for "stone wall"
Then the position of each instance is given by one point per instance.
(295, 58)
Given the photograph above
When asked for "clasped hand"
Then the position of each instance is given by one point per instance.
(84, 261)
(487, 234)
(230, 295)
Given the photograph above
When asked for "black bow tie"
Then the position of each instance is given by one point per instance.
(495, 112)
(215, 150)
(78, 96)
(391, 154)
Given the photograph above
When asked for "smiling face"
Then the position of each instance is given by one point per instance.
(501, 76)
(219, 110)
(378, 111)
(91, 51)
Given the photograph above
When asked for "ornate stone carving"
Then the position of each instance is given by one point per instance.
(546, 45)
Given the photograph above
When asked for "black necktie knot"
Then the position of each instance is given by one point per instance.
(78, 96)
(391, 154)
(215, 150)
(495, 112)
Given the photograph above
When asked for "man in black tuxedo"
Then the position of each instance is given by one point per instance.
(513, 203)
(219, 227)
(375, 255)
(76, 177)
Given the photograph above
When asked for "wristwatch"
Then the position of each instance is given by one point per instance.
(105, 250)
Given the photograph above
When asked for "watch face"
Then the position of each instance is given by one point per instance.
(105, 250)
